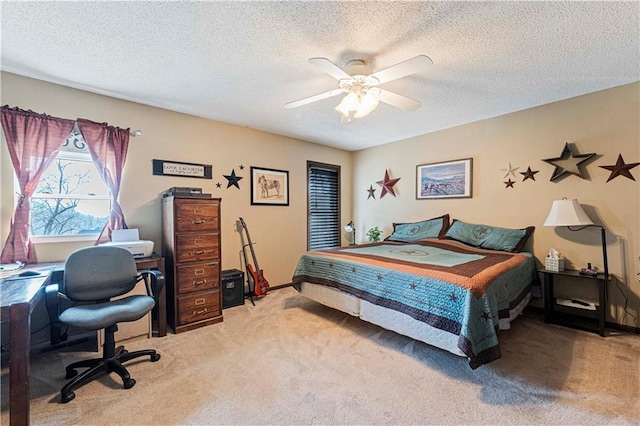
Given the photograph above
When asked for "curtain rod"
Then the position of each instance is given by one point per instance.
(135, 133)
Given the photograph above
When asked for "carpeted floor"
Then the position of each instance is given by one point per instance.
(289, 360)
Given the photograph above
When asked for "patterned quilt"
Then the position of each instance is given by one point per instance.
(449, 285)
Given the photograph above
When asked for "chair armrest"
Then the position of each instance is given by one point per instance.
(154, 281)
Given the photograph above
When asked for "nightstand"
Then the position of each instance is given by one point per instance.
(572, 314)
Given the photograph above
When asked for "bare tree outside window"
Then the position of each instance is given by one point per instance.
(71, 198)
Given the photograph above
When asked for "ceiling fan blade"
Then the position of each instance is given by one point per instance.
(314, 98)
(329, 67)
(410, 66)
(397, 100)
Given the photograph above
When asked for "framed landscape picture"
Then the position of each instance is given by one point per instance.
(269, 187)
(447, 179)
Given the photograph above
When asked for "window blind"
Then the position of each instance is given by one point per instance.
(324, 206)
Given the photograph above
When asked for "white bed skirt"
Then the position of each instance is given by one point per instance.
(394, 320)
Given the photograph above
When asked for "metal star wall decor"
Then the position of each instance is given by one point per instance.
(232, 179)
(387, 184)
(621, 169)
(372, 192)
(568, 163)
(509, 183)
(529, 174)
(509, 171)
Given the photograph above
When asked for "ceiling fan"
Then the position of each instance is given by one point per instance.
(361, 85)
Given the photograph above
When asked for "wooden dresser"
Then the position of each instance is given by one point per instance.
(191, 247)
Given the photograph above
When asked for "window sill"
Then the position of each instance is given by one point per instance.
(47, 239)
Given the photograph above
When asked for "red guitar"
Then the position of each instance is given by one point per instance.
(260, 283)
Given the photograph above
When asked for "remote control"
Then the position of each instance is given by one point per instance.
(579, 302)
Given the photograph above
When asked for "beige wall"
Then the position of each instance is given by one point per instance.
(278, 232)
(605, 122)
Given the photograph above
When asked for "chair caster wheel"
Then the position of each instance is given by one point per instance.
(71, 374)
(68, 397)
(155, 357)
(129, 383)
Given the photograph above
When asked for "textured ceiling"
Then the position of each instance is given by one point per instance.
(240, 62)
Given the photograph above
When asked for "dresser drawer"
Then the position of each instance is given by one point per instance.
(196, 307)
(194, 215)
(193, 247)
(197, 277)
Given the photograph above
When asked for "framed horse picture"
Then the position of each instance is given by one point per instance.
(269, 187)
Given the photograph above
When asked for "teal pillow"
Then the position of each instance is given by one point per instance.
(489, 237)
(408, 232)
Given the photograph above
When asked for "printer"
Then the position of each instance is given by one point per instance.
(129, 239)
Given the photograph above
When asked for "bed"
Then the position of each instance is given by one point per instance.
(441, 291)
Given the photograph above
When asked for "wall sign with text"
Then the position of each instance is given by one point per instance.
(177, 168)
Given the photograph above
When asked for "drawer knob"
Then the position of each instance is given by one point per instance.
(198, 221)
(198, 252)
(197, 283)
(200, 312)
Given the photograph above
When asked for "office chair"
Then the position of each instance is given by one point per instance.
(96, 275)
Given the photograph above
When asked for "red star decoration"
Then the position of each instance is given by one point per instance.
(620, 169)
(509, 183)
(387, 184)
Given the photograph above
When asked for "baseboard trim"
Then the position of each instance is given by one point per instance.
(280, 286)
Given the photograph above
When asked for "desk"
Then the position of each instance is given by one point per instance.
(160, 310)
(18, 297)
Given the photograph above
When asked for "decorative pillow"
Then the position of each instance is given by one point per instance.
(489, 237)
(408, 232)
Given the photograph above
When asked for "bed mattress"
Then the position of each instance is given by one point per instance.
(393, 320)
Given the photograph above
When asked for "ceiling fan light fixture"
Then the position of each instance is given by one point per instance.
(356, 105)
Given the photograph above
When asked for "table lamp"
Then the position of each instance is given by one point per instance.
(350, 227)
(569, 213)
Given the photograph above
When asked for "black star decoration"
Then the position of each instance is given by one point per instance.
(232, 179)
(353, 269)
(372, 192)
(568, 162)
(379, 277)
(509, 183)
(486, 316)
(241, 167)
(529, 174)
(621, 169)
(413, 286)
(331, 265)
(453, 297)
(218, 185)
(387, 184)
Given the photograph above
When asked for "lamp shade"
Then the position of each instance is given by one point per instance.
(349, 227)
(567, 213)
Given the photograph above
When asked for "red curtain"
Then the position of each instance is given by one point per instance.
(33, 140)
(108, 146)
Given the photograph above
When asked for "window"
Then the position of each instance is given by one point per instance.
(323, 214)
(71, 199)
